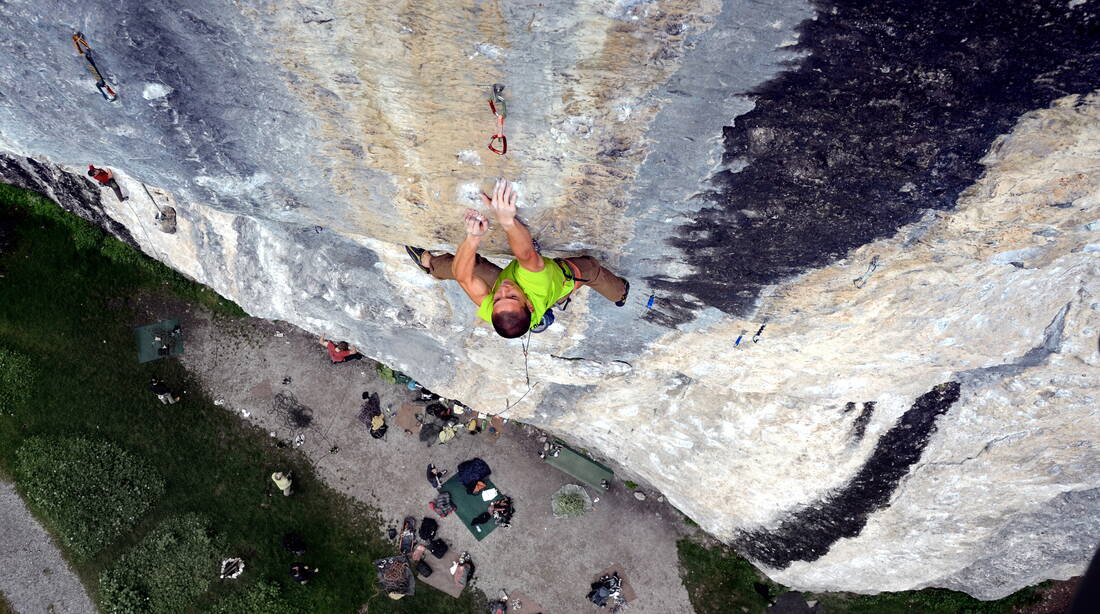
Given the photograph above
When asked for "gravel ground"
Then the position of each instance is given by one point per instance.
(36, 580)
(244, 364)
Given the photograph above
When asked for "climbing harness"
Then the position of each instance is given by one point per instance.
(545, 322)
(756, 337)
(500, 110)
(85, 51)
(862, 279)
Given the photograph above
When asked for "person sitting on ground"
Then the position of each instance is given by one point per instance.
(302, 573)
(435, 476)
(515, 298)
(282, 482)
(164, 395)
(340, 351)
(107, 178)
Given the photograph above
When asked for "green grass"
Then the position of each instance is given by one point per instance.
(64, 300)
(87, 240)
(5, 607)
(927, 601)
(719, 581)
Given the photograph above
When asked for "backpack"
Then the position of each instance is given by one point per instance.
(439, 410)
(442, 504)
(428, 527)
(438, 548)
(481, 518)
(380, 433)
(423, 569)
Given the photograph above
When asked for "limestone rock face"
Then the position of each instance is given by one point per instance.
(871, 237)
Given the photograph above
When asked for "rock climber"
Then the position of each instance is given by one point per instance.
(515, 298)
(339, 351)
(107, 178)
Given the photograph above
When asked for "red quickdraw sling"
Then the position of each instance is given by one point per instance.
(500, 110)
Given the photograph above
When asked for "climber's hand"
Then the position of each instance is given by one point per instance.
(503, 203)
(476, 224)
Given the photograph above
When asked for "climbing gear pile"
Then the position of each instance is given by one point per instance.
(500, 110)
(85, 51)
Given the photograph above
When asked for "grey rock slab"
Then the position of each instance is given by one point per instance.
(740, 162)
(36, 578)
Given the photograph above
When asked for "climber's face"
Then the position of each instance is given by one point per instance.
(509, 297)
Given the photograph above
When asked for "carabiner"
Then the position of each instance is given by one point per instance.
(496, 102)
(503, 144)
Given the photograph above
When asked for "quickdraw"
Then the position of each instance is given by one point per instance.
(85, 51)
(500, 110)
(861, 281)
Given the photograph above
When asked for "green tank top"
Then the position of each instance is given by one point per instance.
(543, 289)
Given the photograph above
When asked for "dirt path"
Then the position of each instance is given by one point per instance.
(245, 364)
(36, 580)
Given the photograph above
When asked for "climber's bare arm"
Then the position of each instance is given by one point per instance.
(503, 204)
(465, 257)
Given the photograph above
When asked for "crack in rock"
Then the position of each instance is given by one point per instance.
(1051, 344)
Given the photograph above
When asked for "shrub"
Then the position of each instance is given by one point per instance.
(630, 485)
(262, 598)
(172, 565)
(90, 491)
(17, 376)
(570, 501)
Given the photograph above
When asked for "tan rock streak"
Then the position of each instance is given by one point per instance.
(398, 92)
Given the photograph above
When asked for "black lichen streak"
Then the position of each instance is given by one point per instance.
(807, 534)
(859, 425)
(889, 115)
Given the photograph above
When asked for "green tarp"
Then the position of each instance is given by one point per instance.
(470, 506)
(580, 467)
(149, 347)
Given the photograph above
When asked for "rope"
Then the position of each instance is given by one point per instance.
(526, 344)
(294, 414)
(150, 195)
(152, 245)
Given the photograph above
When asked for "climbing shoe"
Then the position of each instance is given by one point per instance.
(622, 301)
(417, 254)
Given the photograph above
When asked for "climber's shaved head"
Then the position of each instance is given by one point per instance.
(511, 310)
